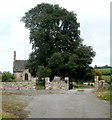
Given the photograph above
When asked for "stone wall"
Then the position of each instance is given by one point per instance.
(100, 84)
(57, 84)
(17, 85)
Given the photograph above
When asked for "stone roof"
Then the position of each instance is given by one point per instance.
(19, 65)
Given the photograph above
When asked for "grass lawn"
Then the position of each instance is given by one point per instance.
(106, 77)
(104, 95)
(40, 86)
(22, 80)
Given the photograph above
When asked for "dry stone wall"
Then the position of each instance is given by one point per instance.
(100, 84)
(57, 84)
(17, 85)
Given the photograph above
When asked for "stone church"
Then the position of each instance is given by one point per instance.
(21, 73)
(19, 69)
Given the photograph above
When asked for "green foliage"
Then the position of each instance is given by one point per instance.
(105, 95)
(7, 77)
(43, 72)
(111, 71)
(52, 29)
(97, 72)
(56, 43)
(58, 64)
(107, 78)
(0, 77)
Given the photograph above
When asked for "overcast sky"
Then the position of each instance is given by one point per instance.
(93, 16)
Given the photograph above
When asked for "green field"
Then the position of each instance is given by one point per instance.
(104, 70)
(106, 77)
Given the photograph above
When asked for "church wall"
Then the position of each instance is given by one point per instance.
(21, 75)
(18, 75)
(26, 71)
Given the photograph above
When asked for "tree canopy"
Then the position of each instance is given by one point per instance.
(56, 42)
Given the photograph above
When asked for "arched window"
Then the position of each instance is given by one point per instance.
(26, 76)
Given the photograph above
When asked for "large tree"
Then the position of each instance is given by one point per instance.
(56, 41)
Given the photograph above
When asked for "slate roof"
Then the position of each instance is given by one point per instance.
(19, 65)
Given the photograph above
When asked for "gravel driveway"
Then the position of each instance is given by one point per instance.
(67, 104)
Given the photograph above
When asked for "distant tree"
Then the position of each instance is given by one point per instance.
(7, 77)
(95, 66)
(56, 42)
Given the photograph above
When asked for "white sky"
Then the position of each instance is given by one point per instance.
(93, 16)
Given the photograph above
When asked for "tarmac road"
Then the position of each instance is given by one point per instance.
(68, 104)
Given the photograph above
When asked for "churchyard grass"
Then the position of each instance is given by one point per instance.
(40, 86)
(22, 80)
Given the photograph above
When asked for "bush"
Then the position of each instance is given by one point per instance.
(105, 95)
(96, 72)
(7, 77)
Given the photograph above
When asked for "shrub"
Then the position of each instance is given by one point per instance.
(7, 77)
(96, 72)
(105, 95)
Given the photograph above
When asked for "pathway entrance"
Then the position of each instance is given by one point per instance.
(67, 104)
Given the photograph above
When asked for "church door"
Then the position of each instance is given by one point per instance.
(26, 76)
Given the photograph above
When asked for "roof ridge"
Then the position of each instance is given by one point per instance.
(21, 60)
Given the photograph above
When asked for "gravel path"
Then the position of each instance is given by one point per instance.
(67, 104)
